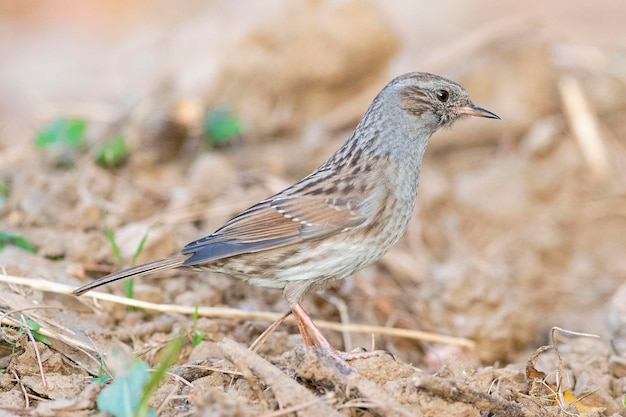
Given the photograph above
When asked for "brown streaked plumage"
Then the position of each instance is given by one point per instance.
(344, 215)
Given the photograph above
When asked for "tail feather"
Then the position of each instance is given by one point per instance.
(136, 271)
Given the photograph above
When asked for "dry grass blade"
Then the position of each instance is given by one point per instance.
(554, 332)
(342, 309)
(32, 339)
(328, 399)
(169, 397)
(533, 375)
(44, 285)
(585, 126)
(22, 388)
(44, 331)
(212, 369)
(263, 337)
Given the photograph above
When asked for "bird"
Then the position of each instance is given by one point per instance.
(340, 218)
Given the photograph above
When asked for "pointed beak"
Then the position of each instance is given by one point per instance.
(474, 110)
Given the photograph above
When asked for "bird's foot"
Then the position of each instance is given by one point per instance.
(361, 353)
(312, 336)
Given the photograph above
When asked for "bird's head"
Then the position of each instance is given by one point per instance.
(435, 101)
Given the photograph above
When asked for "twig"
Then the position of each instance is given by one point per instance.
(263, 337)
(286, 390)
(167, 399)
(329, 398)
(29, 332)
(23, 388)
(212, 369)
(222, 312)
(342, 308)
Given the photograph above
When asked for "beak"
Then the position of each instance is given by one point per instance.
(474, 110)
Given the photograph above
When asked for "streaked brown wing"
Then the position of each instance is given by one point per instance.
(276, 222)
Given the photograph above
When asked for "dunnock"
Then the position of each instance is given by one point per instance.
(340, 218)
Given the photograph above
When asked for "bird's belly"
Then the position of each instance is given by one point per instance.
(334, 258)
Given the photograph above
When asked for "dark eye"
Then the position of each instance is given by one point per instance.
(442, 95)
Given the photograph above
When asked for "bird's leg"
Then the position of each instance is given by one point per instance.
(306, 325)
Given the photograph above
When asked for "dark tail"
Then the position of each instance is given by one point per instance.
(136, 271)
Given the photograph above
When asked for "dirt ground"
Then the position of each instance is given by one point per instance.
(506, 296)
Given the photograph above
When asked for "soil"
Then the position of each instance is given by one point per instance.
(513, 265)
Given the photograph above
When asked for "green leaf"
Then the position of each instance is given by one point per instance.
(34, 328)
(101, 379)
(196, 336)
(4, 192)
(62, 132)
(102, 376)
(4, 189)
(116, 249)
(41, 338)
(139, 249)
(220, 126)
(16, 240)
(32, 324)
(129, 285)
(113, 153)
(196, 316)
(129, 393)
(123, 397)
(129, 291)
(169, 356)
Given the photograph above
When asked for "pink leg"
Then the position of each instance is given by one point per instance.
(306, 325)
(308, 328)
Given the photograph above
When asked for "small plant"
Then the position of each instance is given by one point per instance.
(168, 357)
(139, 249)
(129, 393)
(116, 249)
(66, 136)
(62, 132)
(113, 153)
(4, 192)
(220, 126)
(34, 328)
(123, 397)
(196, 336)
(102, 375)
(129, 285)
(16, 240)
(129, 289)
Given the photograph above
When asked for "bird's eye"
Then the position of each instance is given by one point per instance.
(442, 95)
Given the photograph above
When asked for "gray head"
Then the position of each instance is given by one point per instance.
(435, 101)
(404, 115)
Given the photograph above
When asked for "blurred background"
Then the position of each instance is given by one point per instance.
(145, 115)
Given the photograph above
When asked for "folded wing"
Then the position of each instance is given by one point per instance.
(277, 222)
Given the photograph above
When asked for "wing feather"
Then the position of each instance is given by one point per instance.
(276, 222)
